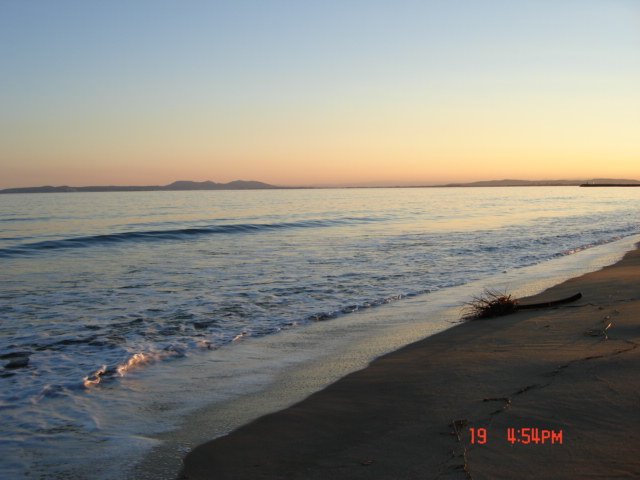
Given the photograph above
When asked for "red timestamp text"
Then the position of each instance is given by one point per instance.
(520, 436)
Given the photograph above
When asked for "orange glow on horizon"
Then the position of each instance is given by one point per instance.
(446, 94)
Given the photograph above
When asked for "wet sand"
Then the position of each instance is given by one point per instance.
(408, 415)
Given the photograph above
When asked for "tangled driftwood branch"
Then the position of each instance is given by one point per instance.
(493, 303)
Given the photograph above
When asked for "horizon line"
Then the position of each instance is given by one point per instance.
(259, 185)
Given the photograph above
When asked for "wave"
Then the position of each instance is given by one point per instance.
(24, 219)
(135, 361)
(173, 234)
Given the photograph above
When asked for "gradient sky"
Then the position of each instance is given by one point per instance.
(331, 92)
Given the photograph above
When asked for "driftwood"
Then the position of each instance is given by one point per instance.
(496, 304)
(570, 299)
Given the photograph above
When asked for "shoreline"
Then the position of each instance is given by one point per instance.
(394, 418)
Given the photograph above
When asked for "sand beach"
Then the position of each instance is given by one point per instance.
(549, 393)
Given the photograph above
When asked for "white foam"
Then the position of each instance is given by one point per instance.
(264, 375)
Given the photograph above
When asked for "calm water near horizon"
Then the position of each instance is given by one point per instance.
(107, 293)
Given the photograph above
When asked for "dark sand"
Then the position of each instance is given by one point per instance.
(394, 419)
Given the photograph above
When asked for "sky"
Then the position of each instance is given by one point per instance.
(348, 92)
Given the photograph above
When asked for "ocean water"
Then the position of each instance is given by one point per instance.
(137, 308)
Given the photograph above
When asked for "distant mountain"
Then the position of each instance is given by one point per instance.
(187, 185)
(618, 181)
(208, 185)
(542, 183)
(180, 185)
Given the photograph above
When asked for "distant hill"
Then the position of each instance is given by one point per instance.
(180, 185)
(209, 185)
(616, 181)
(543, 183)
(187, 185)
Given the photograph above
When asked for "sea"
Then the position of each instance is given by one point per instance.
(152, 321)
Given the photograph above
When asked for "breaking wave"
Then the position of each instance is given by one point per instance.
(173, 234)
